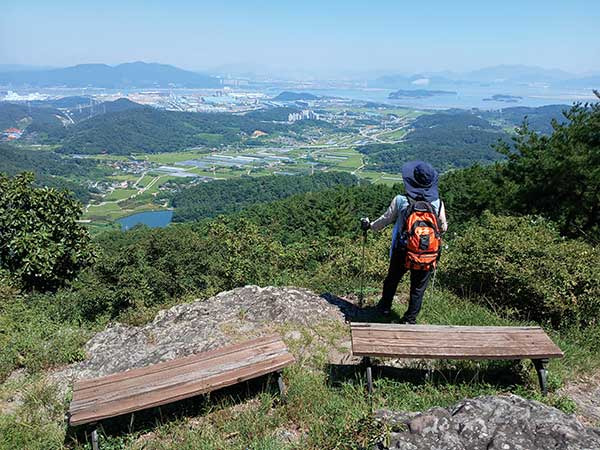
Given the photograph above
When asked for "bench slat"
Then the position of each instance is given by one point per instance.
(133, 373)
(151, 377)
(166, 382)
(451, 342)
(436, 328)
(435, 338)
(177, 393)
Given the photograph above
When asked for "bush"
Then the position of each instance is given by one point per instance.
(41, 243)
(148, 268)
(522, 263)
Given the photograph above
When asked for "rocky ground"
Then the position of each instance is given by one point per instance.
(231, 316)
(488, 423)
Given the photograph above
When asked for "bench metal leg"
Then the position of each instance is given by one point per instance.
(540, 367)
(367, 363)
(95, 437)
(282, 387)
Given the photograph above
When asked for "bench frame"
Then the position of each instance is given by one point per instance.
(539, 364)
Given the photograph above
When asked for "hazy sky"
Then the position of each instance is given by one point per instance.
(356, 35)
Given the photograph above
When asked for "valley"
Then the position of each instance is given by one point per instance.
(131, 169)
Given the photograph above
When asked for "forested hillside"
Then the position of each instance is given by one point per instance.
(152, 130)
(447, 140)
(40, 122)
(228, 196)
(538, 119)
(50, 169)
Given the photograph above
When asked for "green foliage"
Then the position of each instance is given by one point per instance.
(467, 193)
(41, 243)
(523, 264)
(445, 140)
(558, 176)
(50, 169)
(314, 215)
(228, 196)
(146, 267)
(151, 130)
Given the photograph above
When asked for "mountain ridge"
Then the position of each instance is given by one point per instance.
(127, 75)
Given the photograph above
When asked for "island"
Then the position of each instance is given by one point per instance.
(417, 93)
(503, 98)
(288, 96)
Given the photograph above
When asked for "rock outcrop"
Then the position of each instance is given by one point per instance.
(189, 328)
(489, 423)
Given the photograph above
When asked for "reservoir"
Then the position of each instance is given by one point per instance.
(153, 219)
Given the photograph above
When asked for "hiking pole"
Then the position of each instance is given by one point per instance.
(365, 224)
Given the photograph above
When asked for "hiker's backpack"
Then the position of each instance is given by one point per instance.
(422, 236)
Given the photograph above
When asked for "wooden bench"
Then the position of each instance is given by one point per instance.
(146, 387)
(453, 342)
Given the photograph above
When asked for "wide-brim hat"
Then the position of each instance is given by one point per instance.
(420, 180)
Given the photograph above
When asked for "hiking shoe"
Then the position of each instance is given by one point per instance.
(385, 310)
(405, 321)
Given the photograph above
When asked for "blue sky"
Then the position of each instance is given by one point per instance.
(320, 36)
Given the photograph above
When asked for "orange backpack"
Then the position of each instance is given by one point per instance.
(422, 236)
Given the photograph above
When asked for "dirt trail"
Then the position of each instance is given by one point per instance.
(585, 392)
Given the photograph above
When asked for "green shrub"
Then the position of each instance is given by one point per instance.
(522, 263)
(41, 243)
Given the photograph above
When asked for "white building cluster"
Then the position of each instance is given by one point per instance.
(306, 114)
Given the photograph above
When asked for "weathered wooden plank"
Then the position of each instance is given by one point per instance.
(455, 345)
(451, 342)
(133, 373)
(151, 377)
(173, 378)
(443, 350)
(417, 355)
(180, 392)
(425, 328)
(463, 337)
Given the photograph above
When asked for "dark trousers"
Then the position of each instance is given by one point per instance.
(419, 279)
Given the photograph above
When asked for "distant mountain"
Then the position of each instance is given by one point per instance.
(128, 75)
(287, 96)
(417, 93)
(497, 75)
(517, 73)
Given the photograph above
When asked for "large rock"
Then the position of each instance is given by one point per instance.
(489, 423)
(189, 328)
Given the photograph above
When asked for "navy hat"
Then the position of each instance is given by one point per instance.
(420, 180)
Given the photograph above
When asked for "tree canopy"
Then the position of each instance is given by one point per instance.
(41, 243)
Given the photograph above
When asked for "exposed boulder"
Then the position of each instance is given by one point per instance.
(489, 423)
(189, 328)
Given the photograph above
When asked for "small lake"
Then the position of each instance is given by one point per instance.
(153, 219)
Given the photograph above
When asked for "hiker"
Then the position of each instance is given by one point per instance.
(421, 211)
